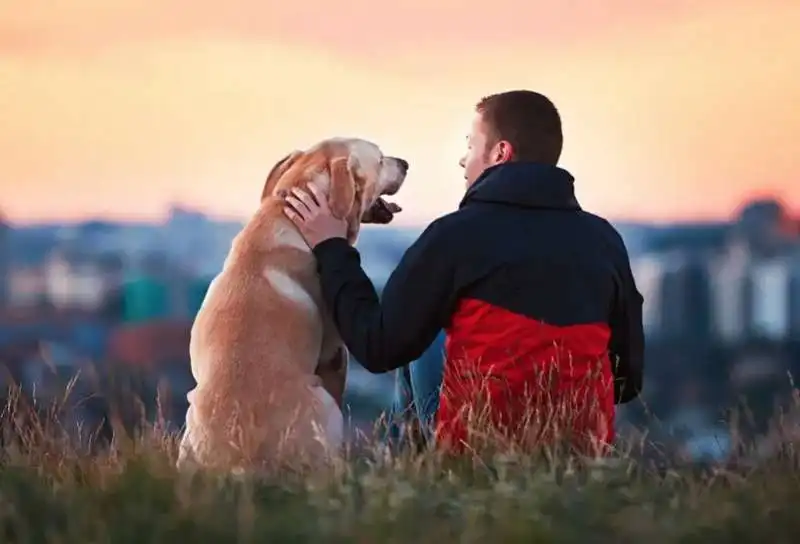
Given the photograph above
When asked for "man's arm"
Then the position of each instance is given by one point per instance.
(416, 303)
(627, 338)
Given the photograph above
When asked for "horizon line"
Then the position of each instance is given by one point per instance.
(225, 217)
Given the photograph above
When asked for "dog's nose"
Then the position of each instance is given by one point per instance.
(402, 164)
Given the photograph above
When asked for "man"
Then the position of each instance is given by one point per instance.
(523, 281)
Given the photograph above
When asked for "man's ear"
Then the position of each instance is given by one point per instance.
(505, 151)
(278, 171)
(343, 188)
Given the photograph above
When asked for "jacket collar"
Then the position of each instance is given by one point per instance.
(524, 184)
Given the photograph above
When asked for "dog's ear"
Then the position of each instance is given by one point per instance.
(343, 188)
(277, 172)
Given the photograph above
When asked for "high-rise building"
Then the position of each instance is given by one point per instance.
(794, 296)
(648, 272)
(685, 298)
(770, 299)
(730, 300)
(5, 261)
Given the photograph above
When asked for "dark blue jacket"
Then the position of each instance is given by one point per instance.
(516, 270)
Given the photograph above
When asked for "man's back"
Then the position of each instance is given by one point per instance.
(522, 280)
(539, 286)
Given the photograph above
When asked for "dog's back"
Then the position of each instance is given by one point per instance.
(253, 348)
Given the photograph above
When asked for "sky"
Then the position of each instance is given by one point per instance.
(672, 109)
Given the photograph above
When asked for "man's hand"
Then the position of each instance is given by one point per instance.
(312, 216)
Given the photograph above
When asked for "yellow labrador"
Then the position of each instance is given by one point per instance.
(263, 334)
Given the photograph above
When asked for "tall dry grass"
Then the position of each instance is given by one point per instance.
(59, 485)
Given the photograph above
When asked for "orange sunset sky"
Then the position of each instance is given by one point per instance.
(672, 109)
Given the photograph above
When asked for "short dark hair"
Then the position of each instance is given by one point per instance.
(528, 120)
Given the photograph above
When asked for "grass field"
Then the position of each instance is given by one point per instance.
(52, 490)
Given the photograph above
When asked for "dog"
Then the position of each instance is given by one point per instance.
(269, 365)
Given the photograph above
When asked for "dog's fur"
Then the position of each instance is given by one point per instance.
(266, 356)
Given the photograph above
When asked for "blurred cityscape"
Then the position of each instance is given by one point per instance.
(722, 313)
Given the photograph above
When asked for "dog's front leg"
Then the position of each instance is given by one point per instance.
(333, 374)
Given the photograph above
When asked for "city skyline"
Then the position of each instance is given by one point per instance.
(671, 111)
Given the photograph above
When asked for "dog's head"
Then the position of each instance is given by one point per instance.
(353, 173)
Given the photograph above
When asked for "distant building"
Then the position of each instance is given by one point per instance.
(675, 288)
(698, 238)
(648, 271)
(794, 296)
(685, 296)
(770, 299)
(28, 251)
(77, 279)
(144, 298)
(730, 299)
(757, 279)
(26, 283)
(5, 260)
(766, 227)
(785, 283)
(196, 245)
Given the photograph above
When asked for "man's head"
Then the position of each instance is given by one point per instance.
(512, 126)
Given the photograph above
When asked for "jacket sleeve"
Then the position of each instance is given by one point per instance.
(627, 337)
(383, 335)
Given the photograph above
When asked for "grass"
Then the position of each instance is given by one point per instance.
(54, 488)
